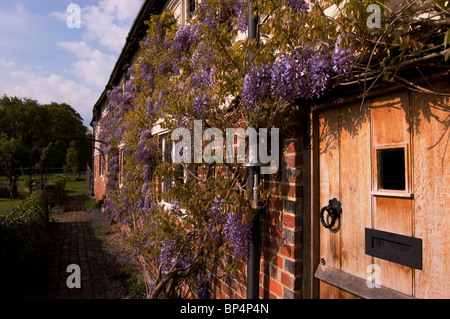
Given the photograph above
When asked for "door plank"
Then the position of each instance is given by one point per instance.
(355, 186)
(329, 180)
(432, 191)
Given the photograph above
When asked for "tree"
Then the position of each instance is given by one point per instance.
(9, 151)
(73, 159)
(48, 128)
(201, 71)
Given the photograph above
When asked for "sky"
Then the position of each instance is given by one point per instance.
(45, 56)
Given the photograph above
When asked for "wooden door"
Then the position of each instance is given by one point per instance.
(344, 174)
(369, 162)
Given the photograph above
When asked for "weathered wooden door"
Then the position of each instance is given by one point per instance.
(384, 163)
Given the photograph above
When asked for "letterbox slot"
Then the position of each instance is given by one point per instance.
(393, 247)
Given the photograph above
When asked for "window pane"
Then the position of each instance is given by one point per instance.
(391, 169)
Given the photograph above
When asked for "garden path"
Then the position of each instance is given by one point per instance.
(71, 239)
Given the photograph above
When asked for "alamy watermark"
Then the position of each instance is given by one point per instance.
(74, 279)
(373, 280)
(213, 152)
(74, 19)
(374, 20)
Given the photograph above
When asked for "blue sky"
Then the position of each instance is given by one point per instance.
(43, 59)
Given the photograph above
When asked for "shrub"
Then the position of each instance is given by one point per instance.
(59, 180)
(91, 205)
(21, 233)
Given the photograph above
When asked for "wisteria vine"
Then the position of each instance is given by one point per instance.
(181, 223)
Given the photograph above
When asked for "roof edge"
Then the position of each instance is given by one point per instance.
(136, 33)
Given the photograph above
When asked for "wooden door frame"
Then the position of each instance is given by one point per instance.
(311, 231)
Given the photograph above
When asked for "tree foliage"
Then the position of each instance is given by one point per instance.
(201, 71)
(25, 124)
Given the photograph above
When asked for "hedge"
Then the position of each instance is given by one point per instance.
(21, 234)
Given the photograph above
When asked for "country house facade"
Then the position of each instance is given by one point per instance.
(386, 162)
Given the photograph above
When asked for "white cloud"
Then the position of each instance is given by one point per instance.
(47, 89)
(107, 23)
(92, 66)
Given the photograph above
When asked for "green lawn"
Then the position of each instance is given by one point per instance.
(74, 187)
(7, 204)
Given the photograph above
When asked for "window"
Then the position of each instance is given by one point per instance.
(122, 162)
(190, 7)
(182, 175)
(101, 165)
(391, 169)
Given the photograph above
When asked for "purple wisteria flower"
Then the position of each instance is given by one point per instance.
(216, 219)
(234, 9)
(172, 256)
(200, 104)
(287, 81)
(256, 86)
(185, 36)
(202, 284)
(151, 109)
(146, 201)
(298, 5)
(144, 151)
(147, 72)
(202, 57)
(238, 234)
(175, 209)
(319, 68)
(342, 58)
(240, 10)
(166, 256)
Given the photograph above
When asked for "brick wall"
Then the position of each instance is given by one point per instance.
(99, 181)
(281, 230)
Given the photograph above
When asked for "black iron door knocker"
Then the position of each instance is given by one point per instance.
(334, 211)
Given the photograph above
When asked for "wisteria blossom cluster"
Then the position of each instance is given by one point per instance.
(342, 58)
(202, 284)
(238, 234)
(298, 5)
(304, 73)
(172, 255)
(223, 10)
(216, 219)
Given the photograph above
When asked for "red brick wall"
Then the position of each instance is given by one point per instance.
(99, 181)
(281, 231)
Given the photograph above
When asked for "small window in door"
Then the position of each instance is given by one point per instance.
(391, 169)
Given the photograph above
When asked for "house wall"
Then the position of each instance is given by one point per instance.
(281, 225)
(99, 180)
(281, 262)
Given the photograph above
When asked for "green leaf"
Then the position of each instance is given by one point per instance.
(446, 39)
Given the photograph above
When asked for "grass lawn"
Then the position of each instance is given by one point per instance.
(6, 204)
(74, 187)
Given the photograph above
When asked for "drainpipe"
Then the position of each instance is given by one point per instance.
(253, 184)
(254, 252)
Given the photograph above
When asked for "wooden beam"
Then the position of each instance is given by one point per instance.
(356, 285)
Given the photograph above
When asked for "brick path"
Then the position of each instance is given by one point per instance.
(72, 240)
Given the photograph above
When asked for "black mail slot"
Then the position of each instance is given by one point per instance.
(397, 248)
